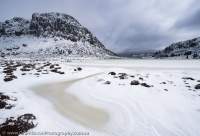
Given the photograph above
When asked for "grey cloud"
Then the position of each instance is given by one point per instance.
(141, 37)
(191, 21)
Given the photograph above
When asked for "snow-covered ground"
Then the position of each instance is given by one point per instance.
(40, 47)
(93, 101)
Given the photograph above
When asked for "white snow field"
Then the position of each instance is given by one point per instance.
(92, 100)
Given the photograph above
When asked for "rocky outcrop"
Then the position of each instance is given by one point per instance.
(52, 25)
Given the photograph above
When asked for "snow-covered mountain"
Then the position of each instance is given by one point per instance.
(48, 35)
(189, 49)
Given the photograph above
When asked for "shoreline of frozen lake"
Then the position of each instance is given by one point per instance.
(70, 106)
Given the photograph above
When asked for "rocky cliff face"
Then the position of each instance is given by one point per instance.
(189, 49)
(52, 25)
(14, 27)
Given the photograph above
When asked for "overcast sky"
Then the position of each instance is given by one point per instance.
(121, 24)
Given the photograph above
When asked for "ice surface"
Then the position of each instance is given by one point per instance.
(168, 108)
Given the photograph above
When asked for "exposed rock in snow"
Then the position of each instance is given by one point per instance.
(52, 34)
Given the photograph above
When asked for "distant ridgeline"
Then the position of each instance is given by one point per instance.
(189, 49)
(52, 25)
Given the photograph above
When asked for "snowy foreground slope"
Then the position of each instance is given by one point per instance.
(50, 35)
(108, 98)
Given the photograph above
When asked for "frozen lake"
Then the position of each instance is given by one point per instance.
(112, 97)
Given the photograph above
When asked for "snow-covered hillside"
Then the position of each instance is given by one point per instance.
(48, 34)
(189, 49)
